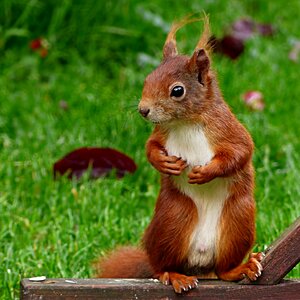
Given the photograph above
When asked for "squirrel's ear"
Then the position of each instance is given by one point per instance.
(199, 64)
(170, 49)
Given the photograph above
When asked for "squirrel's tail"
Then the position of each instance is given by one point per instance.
(124, 262)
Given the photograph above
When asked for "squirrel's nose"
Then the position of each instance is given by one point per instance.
(144, 111)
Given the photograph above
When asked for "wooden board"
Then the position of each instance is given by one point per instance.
(55, 289)
(281, 256)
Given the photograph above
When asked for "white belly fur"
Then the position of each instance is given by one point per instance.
(189, 143)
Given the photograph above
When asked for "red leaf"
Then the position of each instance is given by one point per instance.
(232, 44)
(100, 162)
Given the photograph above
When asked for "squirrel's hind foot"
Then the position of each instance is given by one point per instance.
(179, 282)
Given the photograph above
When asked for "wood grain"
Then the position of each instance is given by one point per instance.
(149, 289)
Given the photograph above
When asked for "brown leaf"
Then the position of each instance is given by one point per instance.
(233, 43)
(100, 162)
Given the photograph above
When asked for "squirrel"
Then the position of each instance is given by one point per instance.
(204, 219)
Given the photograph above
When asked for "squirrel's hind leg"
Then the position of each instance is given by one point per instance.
(179, 282)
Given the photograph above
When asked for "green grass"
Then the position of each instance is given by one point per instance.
(57, 228)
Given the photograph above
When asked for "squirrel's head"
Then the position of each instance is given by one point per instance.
(179, 86)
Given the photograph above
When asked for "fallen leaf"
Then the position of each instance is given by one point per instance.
(232, 44)
(254, 100)
(229, 46)
(100, 162)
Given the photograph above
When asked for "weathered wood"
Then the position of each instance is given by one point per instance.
(55, 289)
(281, 256)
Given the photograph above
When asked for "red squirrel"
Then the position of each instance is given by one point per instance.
(204, 220)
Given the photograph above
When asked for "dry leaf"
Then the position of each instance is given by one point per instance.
(228, 45)
(100, 162)
(232, 44)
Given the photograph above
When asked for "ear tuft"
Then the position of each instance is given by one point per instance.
(170, 49)
(203, 42)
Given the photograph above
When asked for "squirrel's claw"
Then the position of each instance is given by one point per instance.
(179, 282)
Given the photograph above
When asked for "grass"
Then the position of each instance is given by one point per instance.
(97, 65)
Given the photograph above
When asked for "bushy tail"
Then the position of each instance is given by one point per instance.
(124, 262)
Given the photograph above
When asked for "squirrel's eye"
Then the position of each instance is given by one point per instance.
(177, 91)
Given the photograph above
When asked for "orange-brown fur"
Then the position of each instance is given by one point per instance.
(125, 262)
(167, 239)
(175, 216)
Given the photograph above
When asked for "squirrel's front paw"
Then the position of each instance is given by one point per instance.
(200, 175)
(170, 165)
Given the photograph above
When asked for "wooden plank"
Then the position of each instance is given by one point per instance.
(55, 289)
(281, 256)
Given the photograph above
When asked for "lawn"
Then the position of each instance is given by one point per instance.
(98, 57)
